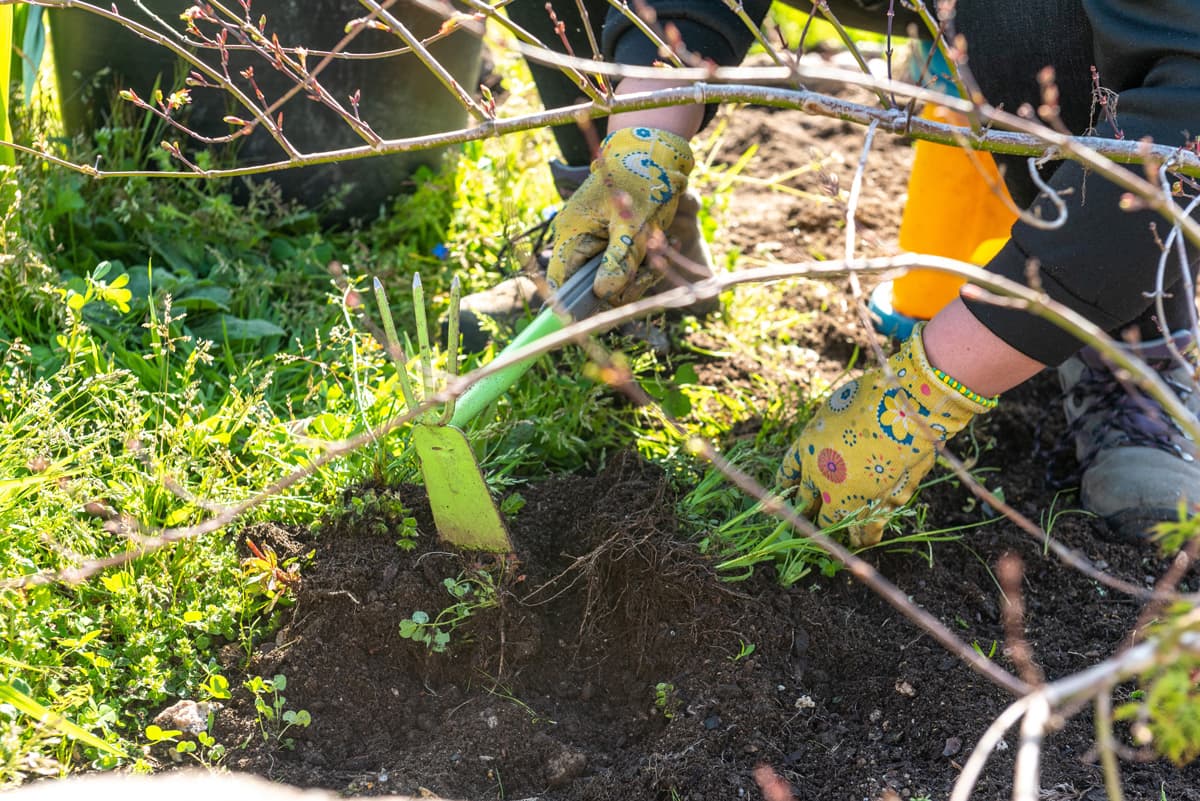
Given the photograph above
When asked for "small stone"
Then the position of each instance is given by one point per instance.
(186, 716)
(712, 721)
(953, 746)
(565, 768)
(905, 689)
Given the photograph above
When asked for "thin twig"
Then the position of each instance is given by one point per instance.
(432, 64)
(1106, 743)
(852, 47)
(153, 36)
(1027, 771)
(1010, 571)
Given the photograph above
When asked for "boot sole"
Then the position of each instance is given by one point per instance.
(1135, 526)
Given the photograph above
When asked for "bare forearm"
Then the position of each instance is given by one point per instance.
(962, 347)
(683, 121)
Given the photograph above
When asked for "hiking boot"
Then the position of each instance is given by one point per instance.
(1138, 466)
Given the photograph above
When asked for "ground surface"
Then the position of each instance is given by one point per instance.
(611, 669)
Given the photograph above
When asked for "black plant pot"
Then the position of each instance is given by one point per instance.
(400, 97)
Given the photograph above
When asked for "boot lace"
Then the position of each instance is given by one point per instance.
(1118, 414)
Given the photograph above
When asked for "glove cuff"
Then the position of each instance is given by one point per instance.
(969, 400)
(670, 151)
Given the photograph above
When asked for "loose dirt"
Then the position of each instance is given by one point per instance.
(618, 665)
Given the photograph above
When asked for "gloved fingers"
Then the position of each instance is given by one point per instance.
(569, 254)
(791, 469)
(808, 497)
(868, 534)
(871, 532)
(579, 231)
(642, 281)
(809, 500)
(619, 266)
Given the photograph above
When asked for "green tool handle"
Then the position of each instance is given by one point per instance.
(575, 297)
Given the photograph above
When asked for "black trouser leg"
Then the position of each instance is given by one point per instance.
(1103, 262)
(555, 88)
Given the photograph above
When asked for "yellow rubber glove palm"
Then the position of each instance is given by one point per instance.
(876, 437)
(633, 190)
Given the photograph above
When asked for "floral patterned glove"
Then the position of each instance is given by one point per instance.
(632, 191)
(875, 438)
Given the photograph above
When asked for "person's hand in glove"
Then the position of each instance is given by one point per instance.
(633, 190)
(876, 437)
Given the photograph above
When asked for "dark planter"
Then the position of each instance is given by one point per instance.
(399, 96)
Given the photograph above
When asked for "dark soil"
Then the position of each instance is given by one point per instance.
(610, 668)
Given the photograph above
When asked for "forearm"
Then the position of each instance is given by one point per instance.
(708, 29)
(682, 121)
(960, 346)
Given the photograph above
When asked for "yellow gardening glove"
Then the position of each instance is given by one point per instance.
(632, 191)
(876, 437)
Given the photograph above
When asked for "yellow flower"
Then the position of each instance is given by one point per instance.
(896, 412)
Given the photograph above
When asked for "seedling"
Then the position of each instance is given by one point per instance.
(204, 749)
(991, 652)
(266, 578)
(472, 593)
(512, 504)
(665, 699)
(744, 650)
(274, 719)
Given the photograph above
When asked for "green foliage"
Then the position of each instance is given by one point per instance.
(204, 749)
(274, 718)
(1166, 713)
(473, 592)
(14, 699)
(666, 699)
(1171, 537)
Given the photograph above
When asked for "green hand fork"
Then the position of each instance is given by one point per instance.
(462, 505)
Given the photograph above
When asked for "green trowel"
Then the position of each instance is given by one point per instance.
(462, 505)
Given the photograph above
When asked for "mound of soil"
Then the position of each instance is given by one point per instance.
(615, 663)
